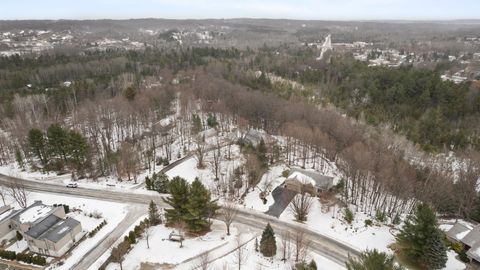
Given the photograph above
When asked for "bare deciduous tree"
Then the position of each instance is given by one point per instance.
(18, 193)
(241, 252)
(3, 194)
(301, 205)
(217, 159)
(228, 213)
(200, 152)
(301, 244)
(203, 261)
(285, 245)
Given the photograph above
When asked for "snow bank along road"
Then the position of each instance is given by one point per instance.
(330, 248)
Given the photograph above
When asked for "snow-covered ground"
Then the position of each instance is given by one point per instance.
(188, 169)
(18, 246)
(171, 253)
(110, 183)
(270, 180)
(255, 260)
(329, 221)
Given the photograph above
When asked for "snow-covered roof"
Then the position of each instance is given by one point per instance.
(311, 177)
(33, 213)
(474, 253)
(472, 238)
(459, 230)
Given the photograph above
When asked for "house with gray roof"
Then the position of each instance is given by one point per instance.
(47, 230)
(458, 231)
(313, 182)
(469, 236)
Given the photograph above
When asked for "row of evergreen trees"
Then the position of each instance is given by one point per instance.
(191, 205)
(58, 147)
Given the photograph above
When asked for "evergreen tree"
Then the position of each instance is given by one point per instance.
(19, 157)
(37, 143)
(436, 253)
(160, 183)
(179, 192)
(57, 141)
(311, 266)
(372, 259)
(262, 153)
(153, 215)
(199, 207)
(196, 124)
(130, 93)
(212, 121)
(77, 149)
(268, 245)
(148, 183)
(420, 239)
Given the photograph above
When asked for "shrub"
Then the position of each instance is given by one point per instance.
(380, 216)
(396, 220)
(348, 215)
(457, 247)
(94, 231)
(285, 173)
(368, 222)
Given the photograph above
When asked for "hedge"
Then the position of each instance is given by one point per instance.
(23, 257)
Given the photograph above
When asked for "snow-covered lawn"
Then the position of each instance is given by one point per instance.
(453, 263)
(331, 223)
(270, 180)
(255, 260)
(165, 252)
(18, 246)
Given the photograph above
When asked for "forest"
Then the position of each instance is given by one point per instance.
(341, 111)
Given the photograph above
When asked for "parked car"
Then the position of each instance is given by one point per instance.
(72, 185)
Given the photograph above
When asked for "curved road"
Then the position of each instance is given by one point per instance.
(328, 247)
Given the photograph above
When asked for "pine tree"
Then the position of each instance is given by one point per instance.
(179, 192)
(153, 215)
(19, 157)
(57, 141)
(268, 245)
(160, 183)
(148, 183)
(262, 153)
(37, 144)
(436, 254)
(418, 234)
(196, 124)
(199, 207)
(77, 149)
(372, 259)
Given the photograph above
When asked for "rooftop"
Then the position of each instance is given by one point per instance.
(312, 177)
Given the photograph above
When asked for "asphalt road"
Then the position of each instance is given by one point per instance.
(328, 247)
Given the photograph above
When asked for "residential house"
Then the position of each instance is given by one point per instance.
(47, 230)
(469, 236)
(312, 182)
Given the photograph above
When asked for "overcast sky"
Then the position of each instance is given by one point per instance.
(200, 9)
